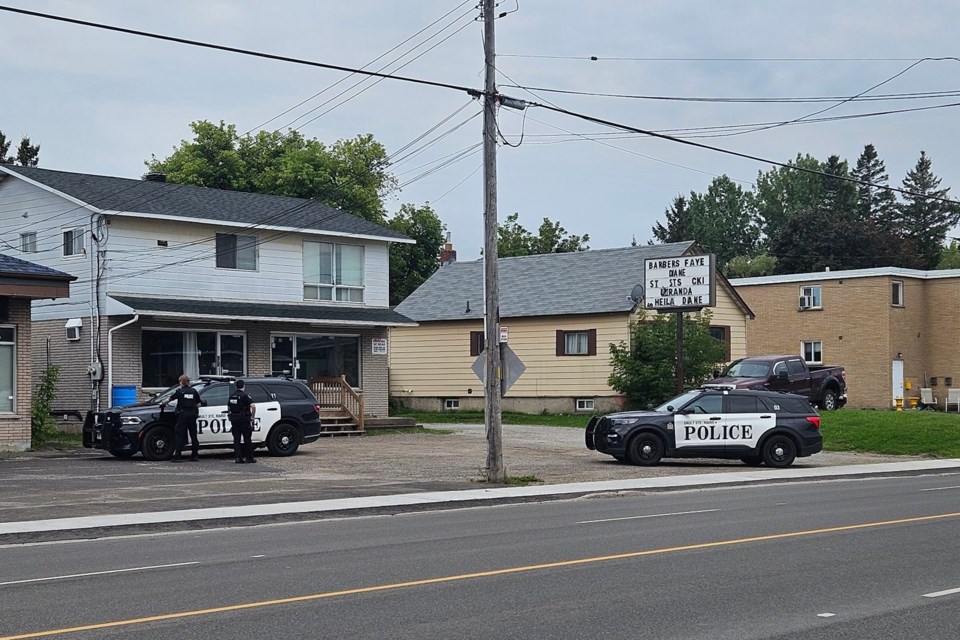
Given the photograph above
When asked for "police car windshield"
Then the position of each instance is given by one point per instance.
(157, 399)
(749, 370)
(679, 401)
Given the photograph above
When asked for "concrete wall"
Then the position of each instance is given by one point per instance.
(15, 427)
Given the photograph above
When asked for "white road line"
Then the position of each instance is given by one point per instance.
(653, 515)
(825, 615)
(940, 488)
(98, 573)
(260, 556)
(937, 594)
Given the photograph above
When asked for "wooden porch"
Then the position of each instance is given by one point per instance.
(341, 408)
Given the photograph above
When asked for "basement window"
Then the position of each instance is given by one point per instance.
(451, 404)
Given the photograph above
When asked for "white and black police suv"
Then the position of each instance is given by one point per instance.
(287, 416)
(757, 427)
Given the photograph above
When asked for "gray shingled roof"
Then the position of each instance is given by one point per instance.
(264, 311)
(209, 205)
(10, 266)
(597, 281)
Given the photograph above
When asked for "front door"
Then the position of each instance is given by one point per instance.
(701, 423)
(897, 381)
(230, 350)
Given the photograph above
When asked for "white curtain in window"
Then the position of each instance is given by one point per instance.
(6, 378)
(247, 252)
(317, 263)
(576, 343)
(349, 265)
(191, 355)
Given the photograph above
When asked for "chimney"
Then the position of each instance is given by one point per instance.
(154, 176)
(447, 254)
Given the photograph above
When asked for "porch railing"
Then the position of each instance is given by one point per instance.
(337, 394)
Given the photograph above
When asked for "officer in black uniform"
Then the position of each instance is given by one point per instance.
(188, 408)
(241, 410)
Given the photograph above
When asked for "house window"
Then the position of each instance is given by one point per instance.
(812, 351)
(73, 242)
(307, 357)
(577, 343)
(810, 297)
(476, 343)
(332, 272)
(8, 369)
(28, 242)
(165, 354)
(722, 333)
(584, 404)
(451, 404)
(897, 293)
(236, 252)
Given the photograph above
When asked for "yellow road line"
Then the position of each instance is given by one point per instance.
(479, 574)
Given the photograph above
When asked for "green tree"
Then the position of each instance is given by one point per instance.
(949, 257)
(750, 266)
(678, 227)
(27, 154)
(782, 192)
(838, 195)
(643, 371)
(925, 218)
(721, 220)
(412, 264)
(874, 202)
(352, 175)
(513, 239)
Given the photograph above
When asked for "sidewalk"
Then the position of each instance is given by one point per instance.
(91, 526)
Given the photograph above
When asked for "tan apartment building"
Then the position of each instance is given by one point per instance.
(894, 330)
(561, 312)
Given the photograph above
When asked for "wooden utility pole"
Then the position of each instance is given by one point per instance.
(491, 391)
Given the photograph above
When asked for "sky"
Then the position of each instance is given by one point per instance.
(103, 103)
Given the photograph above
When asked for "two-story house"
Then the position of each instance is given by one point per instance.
(182, 279)
(559, 312)
(894, 330)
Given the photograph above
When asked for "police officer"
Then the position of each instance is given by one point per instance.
(241, 411)
(188, 408)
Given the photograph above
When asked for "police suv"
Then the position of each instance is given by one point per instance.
(757, 427)
(287, 416)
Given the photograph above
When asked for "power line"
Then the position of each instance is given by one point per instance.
(692, 59)
(246, 52)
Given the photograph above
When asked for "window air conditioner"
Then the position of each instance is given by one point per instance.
(806, 302)
(73, 329)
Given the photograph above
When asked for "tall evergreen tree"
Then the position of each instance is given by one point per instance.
(678, 223)
(28, 154)
(873, 202)
(925, 218)
(4, 148)
(838, 195)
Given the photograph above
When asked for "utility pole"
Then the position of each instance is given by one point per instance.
(491, 391)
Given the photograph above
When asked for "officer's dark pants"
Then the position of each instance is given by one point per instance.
(242, 429)
(186, 423)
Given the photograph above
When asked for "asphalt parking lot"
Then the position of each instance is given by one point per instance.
(86, 482)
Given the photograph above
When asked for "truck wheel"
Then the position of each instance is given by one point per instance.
(284, 440)
(646, 450)
(828, 400)
(779, 451)
(158, 443)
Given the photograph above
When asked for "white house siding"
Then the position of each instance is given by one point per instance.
(47, 215)
(186, 267)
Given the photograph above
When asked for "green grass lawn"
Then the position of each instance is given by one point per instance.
(887, 432)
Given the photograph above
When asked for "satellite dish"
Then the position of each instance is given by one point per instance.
(636, 294)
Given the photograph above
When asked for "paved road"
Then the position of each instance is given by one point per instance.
(87, 482)
(869, 558)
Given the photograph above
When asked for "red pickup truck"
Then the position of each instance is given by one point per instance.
(825, 386)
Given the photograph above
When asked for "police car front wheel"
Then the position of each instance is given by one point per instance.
(158, 443)
(779, 451)
(646, 449)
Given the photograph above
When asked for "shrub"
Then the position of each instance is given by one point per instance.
(42, 425)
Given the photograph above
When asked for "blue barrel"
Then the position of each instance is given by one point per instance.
(124, 395)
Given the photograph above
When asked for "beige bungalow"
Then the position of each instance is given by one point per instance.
(561, 311)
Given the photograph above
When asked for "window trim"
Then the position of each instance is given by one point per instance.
(725, 328)
(33, 237)
(816, 301)
(580, 404)
(218, 332)
(236, 252)
(13, 380)
(893, 291)
(803, 351)
(293, 335)
(476, 343)
(334, 287)
(451, 404)
(82, 252)
(561, 350)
